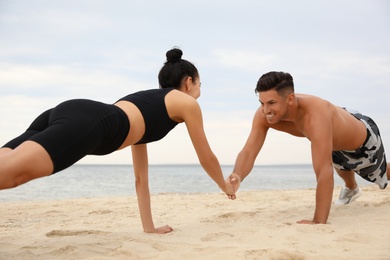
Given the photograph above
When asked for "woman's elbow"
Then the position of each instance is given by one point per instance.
(140, 183)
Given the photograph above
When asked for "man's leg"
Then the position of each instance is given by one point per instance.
(388, 171)
(349, 177)
(351, 191)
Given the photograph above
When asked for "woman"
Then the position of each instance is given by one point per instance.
(63, 135)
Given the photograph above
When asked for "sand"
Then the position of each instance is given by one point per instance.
(258, 225)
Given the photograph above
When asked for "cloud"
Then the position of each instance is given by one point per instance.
(59, 80)
(332, 61)
(250, 60)
(56, 20)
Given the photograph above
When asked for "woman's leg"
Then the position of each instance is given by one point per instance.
(22, 160)
(26, 162)
(4, 150)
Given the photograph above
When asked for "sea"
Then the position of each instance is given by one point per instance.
(93, 181)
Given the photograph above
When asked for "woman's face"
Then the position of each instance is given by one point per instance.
(191, 86)
(195, 93)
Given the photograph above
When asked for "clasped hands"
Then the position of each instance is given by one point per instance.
(232, 184)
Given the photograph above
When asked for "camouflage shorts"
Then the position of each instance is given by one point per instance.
(369, 160)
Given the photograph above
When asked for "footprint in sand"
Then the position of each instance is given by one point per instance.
(230, 217)
(217, 236)
(63, 233)
(356, 238)
(100, 212)
(236, 215)
(274, 254)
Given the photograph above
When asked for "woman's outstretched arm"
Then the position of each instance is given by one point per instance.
(194, 122)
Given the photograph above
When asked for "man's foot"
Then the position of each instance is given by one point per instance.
(348, 195)
(382, 187)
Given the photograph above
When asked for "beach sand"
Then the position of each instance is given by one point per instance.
(258, 225)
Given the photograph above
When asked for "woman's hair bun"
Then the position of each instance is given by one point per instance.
(174, 55)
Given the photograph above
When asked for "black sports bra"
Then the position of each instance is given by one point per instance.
(151, 103)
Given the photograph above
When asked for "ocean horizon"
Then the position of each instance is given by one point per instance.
(94, 180)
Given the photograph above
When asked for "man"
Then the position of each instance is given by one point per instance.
(349, 142)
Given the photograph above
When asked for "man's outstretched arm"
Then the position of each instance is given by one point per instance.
(247, 156)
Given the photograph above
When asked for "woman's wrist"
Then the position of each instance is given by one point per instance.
(223, 187)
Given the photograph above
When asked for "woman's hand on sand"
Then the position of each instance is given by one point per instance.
(164, 229)
(305, 221)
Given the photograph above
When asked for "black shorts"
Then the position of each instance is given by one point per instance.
(76, 128)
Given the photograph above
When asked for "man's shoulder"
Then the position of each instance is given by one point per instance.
(310, 98)
(314, 104)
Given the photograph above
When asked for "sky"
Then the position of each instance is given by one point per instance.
(52, 51)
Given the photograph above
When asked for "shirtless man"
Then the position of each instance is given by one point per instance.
(349, 142)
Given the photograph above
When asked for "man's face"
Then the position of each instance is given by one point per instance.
(273, 105)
